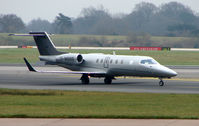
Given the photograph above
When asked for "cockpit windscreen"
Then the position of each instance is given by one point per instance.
(148, 61)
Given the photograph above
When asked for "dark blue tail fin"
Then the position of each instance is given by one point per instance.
(44, 44)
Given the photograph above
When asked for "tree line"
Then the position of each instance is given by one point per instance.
(170, 19)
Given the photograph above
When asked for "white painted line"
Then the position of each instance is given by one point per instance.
(184, 49)
(8, 47)
(104, 48)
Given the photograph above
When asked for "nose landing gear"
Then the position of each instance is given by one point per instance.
(161, 83)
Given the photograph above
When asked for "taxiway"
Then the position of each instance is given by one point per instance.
(18, 77)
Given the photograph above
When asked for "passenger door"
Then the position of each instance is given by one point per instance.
(106, 62)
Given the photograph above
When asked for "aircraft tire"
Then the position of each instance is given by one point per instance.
(107, 80)
(161, 83)
(85, 81)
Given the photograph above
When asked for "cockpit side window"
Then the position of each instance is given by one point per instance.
(148, 61)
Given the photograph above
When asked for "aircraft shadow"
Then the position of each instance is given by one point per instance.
(73, 84)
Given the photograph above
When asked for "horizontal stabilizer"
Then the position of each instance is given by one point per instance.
(31, 34)
(26, 34)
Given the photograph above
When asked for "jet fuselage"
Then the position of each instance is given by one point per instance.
(114, 65)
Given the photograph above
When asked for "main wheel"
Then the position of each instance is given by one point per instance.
(85, 79)
(107, 80)
(161, 83)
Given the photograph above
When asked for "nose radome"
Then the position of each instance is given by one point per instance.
(173, 73)
(168, 72)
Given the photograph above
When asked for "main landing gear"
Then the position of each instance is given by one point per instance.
(85, 79)
(108, 80)
(161, 83)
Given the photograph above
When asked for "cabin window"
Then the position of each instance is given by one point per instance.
(97, 60)
(111, 61)
(106, 61)
(101, 61)
(116, 61)
(121, 61)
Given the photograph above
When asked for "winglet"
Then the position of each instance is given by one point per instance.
(29, 66)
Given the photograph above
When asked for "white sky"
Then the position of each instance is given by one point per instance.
(48, 9)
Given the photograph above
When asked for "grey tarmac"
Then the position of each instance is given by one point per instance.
(18, 77)
(97, 122)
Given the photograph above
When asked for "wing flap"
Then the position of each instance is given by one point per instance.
(71, 72)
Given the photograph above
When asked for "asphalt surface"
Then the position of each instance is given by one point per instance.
(18, 77)
(97, 122)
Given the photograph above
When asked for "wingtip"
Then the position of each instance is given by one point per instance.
(30, 68)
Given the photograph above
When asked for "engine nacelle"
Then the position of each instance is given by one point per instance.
(70, 58)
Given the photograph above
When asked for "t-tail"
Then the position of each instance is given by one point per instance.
(43, 42)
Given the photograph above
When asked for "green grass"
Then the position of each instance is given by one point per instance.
(16, 55)
(164, 57)
(66, 39)
(58, 39)
(76, 104)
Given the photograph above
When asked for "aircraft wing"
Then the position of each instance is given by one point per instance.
(63, 72)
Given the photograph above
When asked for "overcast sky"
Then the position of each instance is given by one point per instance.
(48, 9)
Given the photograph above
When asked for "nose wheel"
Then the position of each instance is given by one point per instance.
(161, 83)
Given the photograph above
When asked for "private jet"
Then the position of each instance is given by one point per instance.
(97, 65)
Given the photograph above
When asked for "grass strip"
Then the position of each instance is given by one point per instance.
(76, 40)
(164, 57)
(79, 104)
